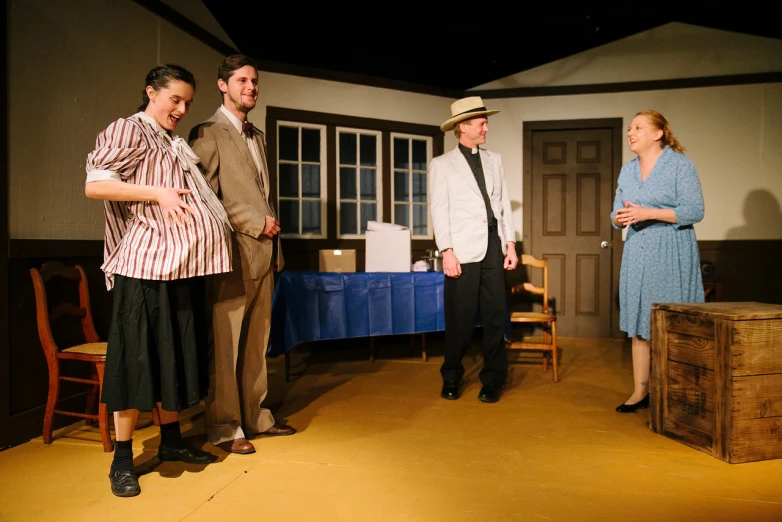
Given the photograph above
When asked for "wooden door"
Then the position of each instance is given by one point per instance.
(568, 194)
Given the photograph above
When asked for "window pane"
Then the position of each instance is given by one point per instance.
(419, 220)
(419, 155)
(368, 184)
(310, 217)
(419, 187)
(347, 218)
(289, 143)
(347, 148)
(310, 181)
(347, 183)
(368, 150)
(401, 189)
(289, 180)
(310, 145)
(289, 216)
(401, 216)
(368, 213)
(401, 156)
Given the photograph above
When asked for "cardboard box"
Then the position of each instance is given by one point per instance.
(337, 261)
(388, 251)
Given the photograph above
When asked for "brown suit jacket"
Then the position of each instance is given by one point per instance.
(228, 166)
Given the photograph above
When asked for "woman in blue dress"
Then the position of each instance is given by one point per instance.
(658, 199)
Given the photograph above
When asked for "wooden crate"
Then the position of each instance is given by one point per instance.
(716, 382)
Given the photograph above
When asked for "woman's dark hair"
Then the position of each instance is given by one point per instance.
(159, 78)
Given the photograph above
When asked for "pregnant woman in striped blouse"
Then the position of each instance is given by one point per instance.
(165, 230)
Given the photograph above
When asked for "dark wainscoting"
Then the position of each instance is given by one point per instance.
(746, 270)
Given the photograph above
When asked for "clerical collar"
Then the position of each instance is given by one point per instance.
(468, 150)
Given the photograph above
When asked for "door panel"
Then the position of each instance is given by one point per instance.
(571, 196)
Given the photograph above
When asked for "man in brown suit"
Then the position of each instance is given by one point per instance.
(233, 157)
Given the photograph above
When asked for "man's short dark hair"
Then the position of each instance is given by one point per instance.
(232, 63)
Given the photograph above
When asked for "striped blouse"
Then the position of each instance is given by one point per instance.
(138, 243)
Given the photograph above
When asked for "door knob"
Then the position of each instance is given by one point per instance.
(605, 244)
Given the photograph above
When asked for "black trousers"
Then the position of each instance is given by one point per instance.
(480, 283)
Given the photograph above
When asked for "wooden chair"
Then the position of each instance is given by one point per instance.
(546, 319)
(92, 351)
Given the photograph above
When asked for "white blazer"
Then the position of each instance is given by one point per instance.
(458, 209)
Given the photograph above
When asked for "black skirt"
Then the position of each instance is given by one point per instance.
(157, 345)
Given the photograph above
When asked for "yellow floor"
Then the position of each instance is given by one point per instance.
(377, 443)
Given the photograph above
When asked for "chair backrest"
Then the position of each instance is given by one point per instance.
(529, 260)
(59, 307)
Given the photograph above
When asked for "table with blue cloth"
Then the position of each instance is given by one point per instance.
(314, 306)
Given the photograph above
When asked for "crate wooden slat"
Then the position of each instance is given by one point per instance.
(716, 382)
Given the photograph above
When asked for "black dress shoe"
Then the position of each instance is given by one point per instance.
(489, 394)
(632, 408)
(124, 483)
(450, 390)
(185, 454)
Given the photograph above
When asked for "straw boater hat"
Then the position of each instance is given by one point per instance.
(465, 109)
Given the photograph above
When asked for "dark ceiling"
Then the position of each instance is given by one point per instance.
(412, 46)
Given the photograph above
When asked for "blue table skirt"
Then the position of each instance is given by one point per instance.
(313, 306)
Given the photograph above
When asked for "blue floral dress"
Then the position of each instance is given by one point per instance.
(660, 261)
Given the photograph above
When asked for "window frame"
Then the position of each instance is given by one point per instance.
(411, 171)
(378, 179)
(302, 253)
(323, 180)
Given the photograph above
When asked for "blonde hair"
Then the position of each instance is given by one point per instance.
(658, 121)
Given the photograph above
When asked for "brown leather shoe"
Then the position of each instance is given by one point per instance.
(241, 446)
(279, 430)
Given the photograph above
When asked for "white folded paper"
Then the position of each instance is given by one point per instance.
(377, 225)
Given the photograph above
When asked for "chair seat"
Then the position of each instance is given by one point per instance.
(531, 316)
(87, 349)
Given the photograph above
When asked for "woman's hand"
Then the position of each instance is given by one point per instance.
(631, 214)
(173, 206)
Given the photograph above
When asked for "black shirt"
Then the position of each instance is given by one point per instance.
(474, 161)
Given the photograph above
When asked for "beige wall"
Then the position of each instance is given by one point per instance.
(74, 67)
(732, 134)
(83, 70)
(671, 51)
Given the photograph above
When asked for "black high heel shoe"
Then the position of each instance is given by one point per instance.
(632, 408)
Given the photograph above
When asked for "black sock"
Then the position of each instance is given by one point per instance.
(123, 456)
(171, 436)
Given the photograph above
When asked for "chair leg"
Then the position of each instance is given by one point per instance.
(93, 395)
(423, 347)
(545, 355)
(155, 417)
(554, 362)
(103, 414)
(51, 400)
(103, 426)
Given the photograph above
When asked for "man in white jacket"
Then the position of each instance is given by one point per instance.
(473, 228)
